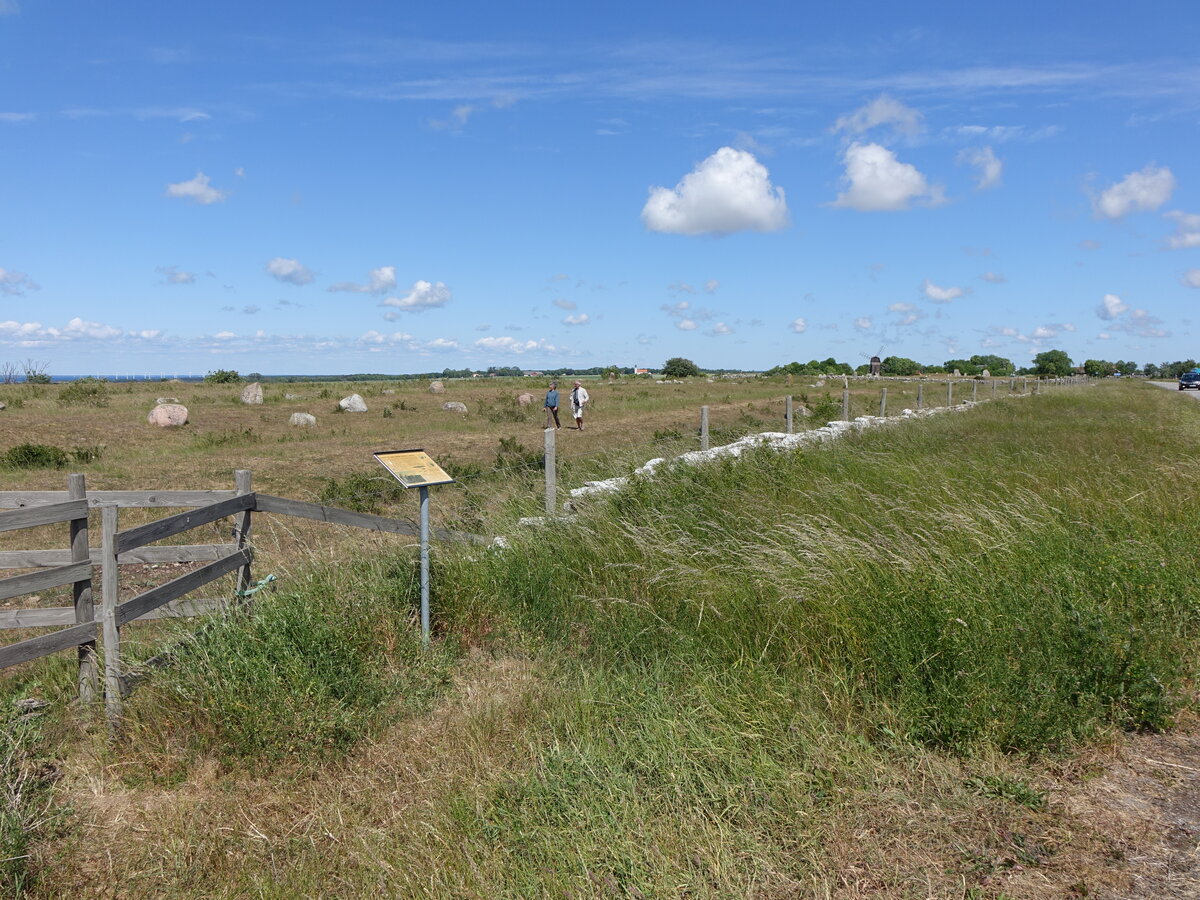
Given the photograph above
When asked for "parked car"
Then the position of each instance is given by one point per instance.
(1189, 380)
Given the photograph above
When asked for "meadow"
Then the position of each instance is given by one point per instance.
(872, 668)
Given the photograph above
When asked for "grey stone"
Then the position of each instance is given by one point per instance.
(525, 399)
(3, 406)
(252, 394)
(455, 406)
(957, 374)
(293, 396)
(168, 415)
(437, 388)
(302, 419)
(986, 374)
(387, 392)
(804, 411)
(353, 403)
(161, 400)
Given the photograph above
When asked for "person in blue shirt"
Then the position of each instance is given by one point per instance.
(551, 405)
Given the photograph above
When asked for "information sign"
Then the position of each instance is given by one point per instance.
(413, 468)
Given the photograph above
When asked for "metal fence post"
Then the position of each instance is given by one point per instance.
(551, 473)
(787, 412)
(704, 428)
(110, 597)
(81, 591)
(425, 565)
(921, 395)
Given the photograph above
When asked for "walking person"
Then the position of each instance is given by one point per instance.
(551, 405)
(579, 398)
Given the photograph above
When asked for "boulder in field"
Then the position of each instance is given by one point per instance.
(302, 419)
(985, 374)
(252, 394)
(293, 396)
(525, 399)
(353, 403)
(437, 388)
(161, 400)
(2, 406)
(168, 415)
(455, 406)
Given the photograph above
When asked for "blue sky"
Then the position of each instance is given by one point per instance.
(319, 188)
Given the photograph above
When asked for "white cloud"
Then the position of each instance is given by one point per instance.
(1142, 191)
(730, 191)
(799, 325)
(289, 271)
(1111, 307)
(908, 313)
(422, 295)
(686, 325)
(883, 110)
(710, 286)
(580, 319)
(720, 328)
(78, 328)
(940, 294)
(13, 117)
(681, 287)
(566, 304)
(15, 284)
(225, 335)
(175, 275)
(1140, 323)
(993, 277)
(1191, 278)
(988, 165)
(148, 334)
(863, 323)
(878, 182)
(198, 190)
(441, 344)
(513, 345)
(1001, 133)
(379, 281)
(1187, 230)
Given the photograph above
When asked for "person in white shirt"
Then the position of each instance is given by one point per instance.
(579, 399)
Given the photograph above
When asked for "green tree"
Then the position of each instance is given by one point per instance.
(1053, 362)
(1098, 368)
(899, 365)
(222, 376)
(964, 366)
(678, 367)
(996, 365)
(1126, 367)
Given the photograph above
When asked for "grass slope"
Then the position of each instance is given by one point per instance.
(851, 671)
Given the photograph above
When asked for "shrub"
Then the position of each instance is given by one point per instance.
(87, 454)
(34, 456)
(87, 391)
(231, 438)
(512, 454)
(362, 492)
(222, 376)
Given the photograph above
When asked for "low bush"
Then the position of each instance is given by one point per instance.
(34, 456)
(87, 391)
(233, 437)
(367, 492)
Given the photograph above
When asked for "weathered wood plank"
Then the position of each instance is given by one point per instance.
(32, 582)
(43, 515)
(132, 538)
(35, 559)
(128, 499)
(336, 516)
(43, 645)
(164, 593)
(53, 616)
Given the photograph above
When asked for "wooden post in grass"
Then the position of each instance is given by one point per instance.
(704, 428)
(1012, 383)
(949, 392)
(551, 474)
(241, 534)
(921, 395)
(882, 402)
(110, 597)
(974, 390)
(993, 388)
(845, 405)
(787, 412)
(81, 592)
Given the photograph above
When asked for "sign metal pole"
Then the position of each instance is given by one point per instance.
(425, 567)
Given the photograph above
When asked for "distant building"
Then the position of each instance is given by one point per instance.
(876, 365)
(641, 371)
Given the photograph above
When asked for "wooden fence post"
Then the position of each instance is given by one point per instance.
(787, 412)
(1012, 383)
(949, 393)
(110, 596)
(920, 395)
(882, 402)
(241, 533)
(551, 473)
(81, 592)
(845, 405)
(704, 428)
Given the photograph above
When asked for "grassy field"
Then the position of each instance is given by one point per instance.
(868, 669)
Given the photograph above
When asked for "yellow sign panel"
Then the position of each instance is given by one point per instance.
(413, 468)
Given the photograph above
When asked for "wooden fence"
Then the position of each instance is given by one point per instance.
(75, 565)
